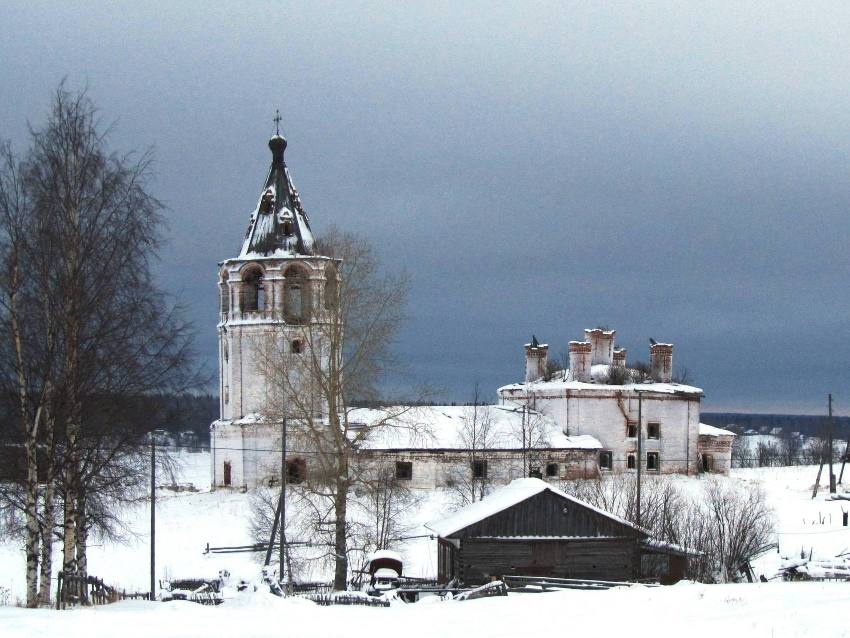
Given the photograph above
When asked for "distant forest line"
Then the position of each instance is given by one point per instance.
(807, 424)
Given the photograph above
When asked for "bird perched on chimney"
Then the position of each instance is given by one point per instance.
(652, 341)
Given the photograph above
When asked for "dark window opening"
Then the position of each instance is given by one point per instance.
(225, 299)
(707, 462)
(295, 296)
(534, 472)
(331, 288)
(479, 469)
(266, 201)
(297, 346)
(227, 477)
(653, 430)
(296, 471)
(404, 470)
(551, 470)
(253, 292)
(631, 461)
(631, 430)
(652, 461)
(287, 228)
(606, 460)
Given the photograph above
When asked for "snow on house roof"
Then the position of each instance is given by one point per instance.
(709, 430)
(515, 492)
(443, 427)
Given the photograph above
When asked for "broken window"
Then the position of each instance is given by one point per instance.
(606, 460)
(551, 470)
(631, 461)
(479, 469)
(404, 470)
(296, 471)
(631, 429)
(653, 430)
(652, 461)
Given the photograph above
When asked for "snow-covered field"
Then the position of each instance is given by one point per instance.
(773, 610)
(187, 521)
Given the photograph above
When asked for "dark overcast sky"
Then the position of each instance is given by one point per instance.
(672, 171)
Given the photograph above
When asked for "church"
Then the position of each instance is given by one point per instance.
(276, 304)
(274, 299)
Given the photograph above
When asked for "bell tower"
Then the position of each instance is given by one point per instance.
(275, 298)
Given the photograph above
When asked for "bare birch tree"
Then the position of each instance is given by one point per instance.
(345, 355)
(84, 315)
(478, 436)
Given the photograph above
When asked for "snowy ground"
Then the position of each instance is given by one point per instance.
(187, 521)
(772, 610)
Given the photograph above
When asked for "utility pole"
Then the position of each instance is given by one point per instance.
(153, 517)
(639, 451)
(282, 503)
(829, 449)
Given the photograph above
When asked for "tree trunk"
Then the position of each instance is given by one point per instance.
(49, 513)
(340, 533)
(82, 539)
(49, 520)
(32, 533)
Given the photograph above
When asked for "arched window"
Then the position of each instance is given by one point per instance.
(253, 291)
(297, 346)
(331, 288)
(296, 306)
(224, 294)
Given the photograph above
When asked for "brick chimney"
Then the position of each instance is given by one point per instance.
(536, 358)
(620, 358)
(602, 342)
(580, 357)
(661, 362)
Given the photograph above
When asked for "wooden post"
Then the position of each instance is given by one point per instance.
(153, 516)
(829, 449)
(639, 453)
(283, 478)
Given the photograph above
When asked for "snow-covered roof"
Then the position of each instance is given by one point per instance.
(448, 427)
(563, 381)
(515, 492)
(709, 430)
(385, 554)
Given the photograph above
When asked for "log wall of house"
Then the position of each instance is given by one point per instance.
(481, 559)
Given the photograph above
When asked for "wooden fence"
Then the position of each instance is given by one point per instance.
(75, 589)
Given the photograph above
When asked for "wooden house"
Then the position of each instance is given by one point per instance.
(529, 528)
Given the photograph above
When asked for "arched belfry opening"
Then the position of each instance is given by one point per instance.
(224, 293)
(331, 288)
(296, 298)
(253, 290)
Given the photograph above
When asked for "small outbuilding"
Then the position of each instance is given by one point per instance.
(530, 528)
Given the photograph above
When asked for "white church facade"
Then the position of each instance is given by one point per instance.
(276, 301)
(600, 396)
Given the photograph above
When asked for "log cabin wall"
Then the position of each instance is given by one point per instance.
(597, 559)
